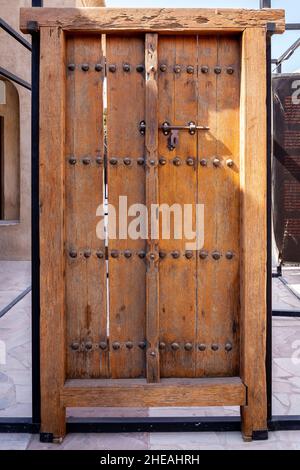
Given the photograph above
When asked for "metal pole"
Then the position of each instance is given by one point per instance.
(35, 254)
(265, 4)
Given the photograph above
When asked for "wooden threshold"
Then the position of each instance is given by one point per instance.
(190, 20)
(223, 391)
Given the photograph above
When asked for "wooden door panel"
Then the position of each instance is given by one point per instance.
(126, 177)
(218, 189)
(178, 94)
(85, 271)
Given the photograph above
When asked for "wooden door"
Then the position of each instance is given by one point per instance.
(170, 121)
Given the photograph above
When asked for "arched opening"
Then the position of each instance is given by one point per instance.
(9, 152)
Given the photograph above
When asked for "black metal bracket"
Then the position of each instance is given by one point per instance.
(46, 437)
(261, 435)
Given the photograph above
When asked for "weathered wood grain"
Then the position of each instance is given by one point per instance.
(253, 229)
(218, 191)
(52, 260)
(178, 96)
(169, 392)
(181, 20)
(127, 276)
(85, 279)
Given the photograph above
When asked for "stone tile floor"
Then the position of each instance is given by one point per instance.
(15, 381)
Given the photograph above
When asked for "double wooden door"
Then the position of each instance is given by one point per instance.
(190, 327)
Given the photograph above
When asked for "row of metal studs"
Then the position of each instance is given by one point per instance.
(116, 345)
(140, 68)
(177, 161)
(85, 160)
(189, 254)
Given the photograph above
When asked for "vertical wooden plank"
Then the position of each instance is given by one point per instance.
(152, 276)
(218, 150)
(178, 95)
(127, 275)
(85, 253)
(52, 129)
(253, 229)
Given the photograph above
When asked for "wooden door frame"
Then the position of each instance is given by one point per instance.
(249, 391)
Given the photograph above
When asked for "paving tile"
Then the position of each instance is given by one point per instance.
(111, 441)
(14, 441)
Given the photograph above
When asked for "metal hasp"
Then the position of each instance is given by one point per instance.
(172, 131)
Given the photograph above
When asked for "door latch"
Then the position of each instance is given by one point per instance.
(172, 131)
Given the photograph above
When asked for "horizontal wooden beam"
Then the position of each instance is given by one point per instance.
(229, 391)
(180, 20)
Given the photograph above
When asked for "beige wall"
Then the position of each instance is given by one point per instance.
(10, 166)
(15, 238)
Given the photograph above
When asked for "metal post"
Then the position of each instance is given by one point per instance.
(35, 255)
(265, 4)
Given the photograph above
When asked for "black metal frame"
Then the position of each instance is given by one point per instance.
(147, 424)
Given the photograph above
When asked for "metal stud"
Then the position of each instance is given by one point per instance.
(87, 253)
(129, 344)
(215, 347)
(152, 353)
(127, 161)
(142, 254)
(140, 161)
(176, 161)
(140, 68)
(114, 254)
(162, 254)
(113, 161)
(203, 162)
(162, 161)
(162, 345)
(98, 67)
(188, 346)
(163, 67)
(75, 346)
(175, 346)
(216, 255)
(190, 69)
(230, 70)
(142, 344)
(177, 68)
(99, 160)
(126, 67)
(203, 254)
(229, 255)
(201, 347)
(99, 254)
(228, 347)
(216, 162)
(204, 69)
(190, 161)
(85, 67)
(116, 345)
(218, 69)
(102, 345)
(152, 162)
(112, 68)
(86, 160)
(72, 160)
(71, 67)
(152, 256)
(73, 254)
(175, 254)
(188, 254)
(127, 254)
(229, 163)
(88, 345)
